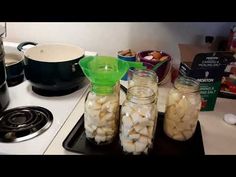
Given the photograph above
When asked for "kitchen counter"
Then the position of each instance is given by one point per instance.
(218, 137)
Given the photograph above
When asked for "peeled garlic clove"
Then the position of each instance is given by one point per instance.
(181, 126)
(146, 150)
(108, 131)
(105, 106)
(127, 121)
(100, 131)
(187, 133)
(100, 139)
(92, 97)
(149, 141)
(145, 122)
(134, 136)
(181, 108)
(89, 134)
(171, 112)
(101, 123)
(170, 122)
(146, 111)
(110, 124)
(94, 114)
(126, 110)
(192, 99)
(112, 107)
(144, 131)
(139, 147)
(89, 129)
(94, 127)
(138, 127)
(102, 114)
(87, 118)
(122, 138)
(136, 117)
(143, 139)
(109, 137)
(128, 146)
(153, 114)
(125, 131)
(150, 131)
(189, 113)
(102, 99)
(143, 111)
(193, 125)
(96, 106)
(174, 97)
(195, 114)
(88, 105)
(170, 127)
(108, 116)
(131, 83)
(179, 136)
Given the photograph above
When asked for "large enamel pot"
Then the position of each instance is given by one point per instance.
(53, 69)
(14, 63)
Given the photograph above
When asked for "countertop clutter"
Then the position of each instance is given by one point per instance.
(218, 136)
(60, 113)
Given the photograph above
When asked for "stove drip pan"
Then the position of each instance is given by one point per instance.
(51, 93)
(23, 123)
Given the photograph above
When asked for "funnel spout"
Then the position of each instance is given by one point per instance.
(136, 65)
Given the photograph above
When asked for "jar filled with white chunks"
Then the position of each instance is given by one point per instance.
(101, 116)
(144, 77)
(182, 109)
(138, 120)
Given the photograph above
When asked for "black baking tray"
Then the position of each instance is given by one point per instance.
(163, 145)
(229, 95)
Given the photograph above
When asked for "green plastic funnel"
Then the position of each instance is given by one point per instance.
(105, 70)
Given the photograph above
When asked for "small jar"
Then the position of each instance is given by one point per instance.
(144, 78)
(101, 116)
(138, 120)
(182, 109)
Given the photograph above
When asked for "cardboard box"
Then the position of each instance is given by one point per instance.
(189, 51)
(207, 67)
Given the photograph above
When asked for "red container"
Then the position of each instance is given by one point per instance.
(163, 70)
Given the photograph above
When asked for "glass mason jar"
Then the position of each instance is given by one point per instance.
(182, 109)
(101, 116)
(144, 78)
(138, 120)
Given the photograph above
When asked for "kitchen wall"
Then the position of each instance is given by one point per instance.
(108, 38)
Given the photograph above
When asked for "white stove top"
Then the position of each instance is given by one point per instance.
(60, 107)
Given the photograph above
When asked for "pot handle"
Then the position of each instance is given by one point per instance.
(21, 45)
(76, 67)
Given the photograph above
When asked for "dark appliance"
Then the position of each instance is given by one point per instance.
(4, 95)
